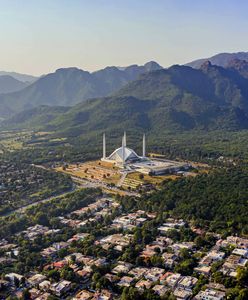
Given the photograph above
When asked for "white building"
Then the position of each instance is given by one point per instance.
(127, 158)
(123, 155)
(210, 294)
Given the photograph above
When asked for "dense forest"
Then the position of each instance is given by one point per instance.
(217, 201)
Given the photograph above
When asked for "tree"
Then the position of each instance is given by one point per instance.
(41, 218)
(185, 267)
(199, 241)
(54, 274)
(26, 295)
(243, 294)
(184, 253)
(157, 260)
(242, 276)
(130, 294)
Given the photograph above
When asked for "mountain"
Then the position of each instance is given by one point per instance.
(69, 86)
(221, 59)
(176, 99)
(37, 117)
(239, 65)
(19, 76)
(9, 84)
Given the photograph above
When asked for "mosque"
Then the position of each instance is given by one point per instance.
(126, 158)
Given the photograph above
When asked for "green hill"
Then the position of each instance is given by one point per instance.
(37, 117)
(176, 99)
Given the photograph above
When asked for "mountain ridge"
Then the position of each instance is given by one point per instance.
(176, 99)
(220, 59)
(9, 84)
(19, 76)
(69, 86)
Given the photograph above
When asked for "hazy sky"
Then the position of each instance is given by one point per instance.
(39, 36)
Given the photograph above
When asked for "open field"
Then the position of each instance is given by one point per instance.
(96, 170)
(12, 140)
(156, 180)
(107, 173)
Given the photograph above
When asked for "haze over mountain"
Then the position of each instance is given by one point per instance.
(19, 76)
(175, 99)
(221, 59)
(69, 86)
(9, 84)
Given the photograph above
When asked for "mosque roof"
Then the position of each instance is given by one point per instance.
(129, 154)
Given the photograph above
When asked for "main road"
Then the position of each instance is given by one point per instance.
(25, 207)
(77, 183)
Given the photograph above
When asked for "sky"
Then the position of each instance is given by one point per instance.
(40, 36)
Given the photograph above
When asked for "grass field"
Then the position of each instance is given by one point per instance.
(108, 173)
(11, 140)
(93, 170)
(150, 179)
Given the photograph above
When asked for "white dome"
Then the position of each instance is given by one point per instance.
(128, 155)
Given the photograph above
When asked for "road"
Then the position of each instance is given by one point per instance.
(25, 207)
(91, 183)
(78, 183)
(99, 184)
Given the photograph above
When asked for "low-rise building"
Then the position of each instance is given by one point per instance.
(83, 295)
(154, 274)
(172, 279)
(138, 272)
(210, 294)
(169, 259)
(182, 294)
(160, 289)
(126, 281)
(143, 284)
(14, 277)
(36, 279)
(187, 283)
(122, 268)
(61, 288)
(240, 252)
(45, 285)
(203, 270)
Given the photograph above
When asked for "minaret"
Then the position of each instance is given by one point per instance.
(125, 139)
(123, 150)
(144, 146)
(104, 147)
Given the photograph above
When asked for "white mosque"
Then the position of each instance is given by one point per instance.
(127, 158)
(124, 155)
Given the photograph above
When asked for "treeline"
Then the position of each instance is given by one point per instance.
(196, 145)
